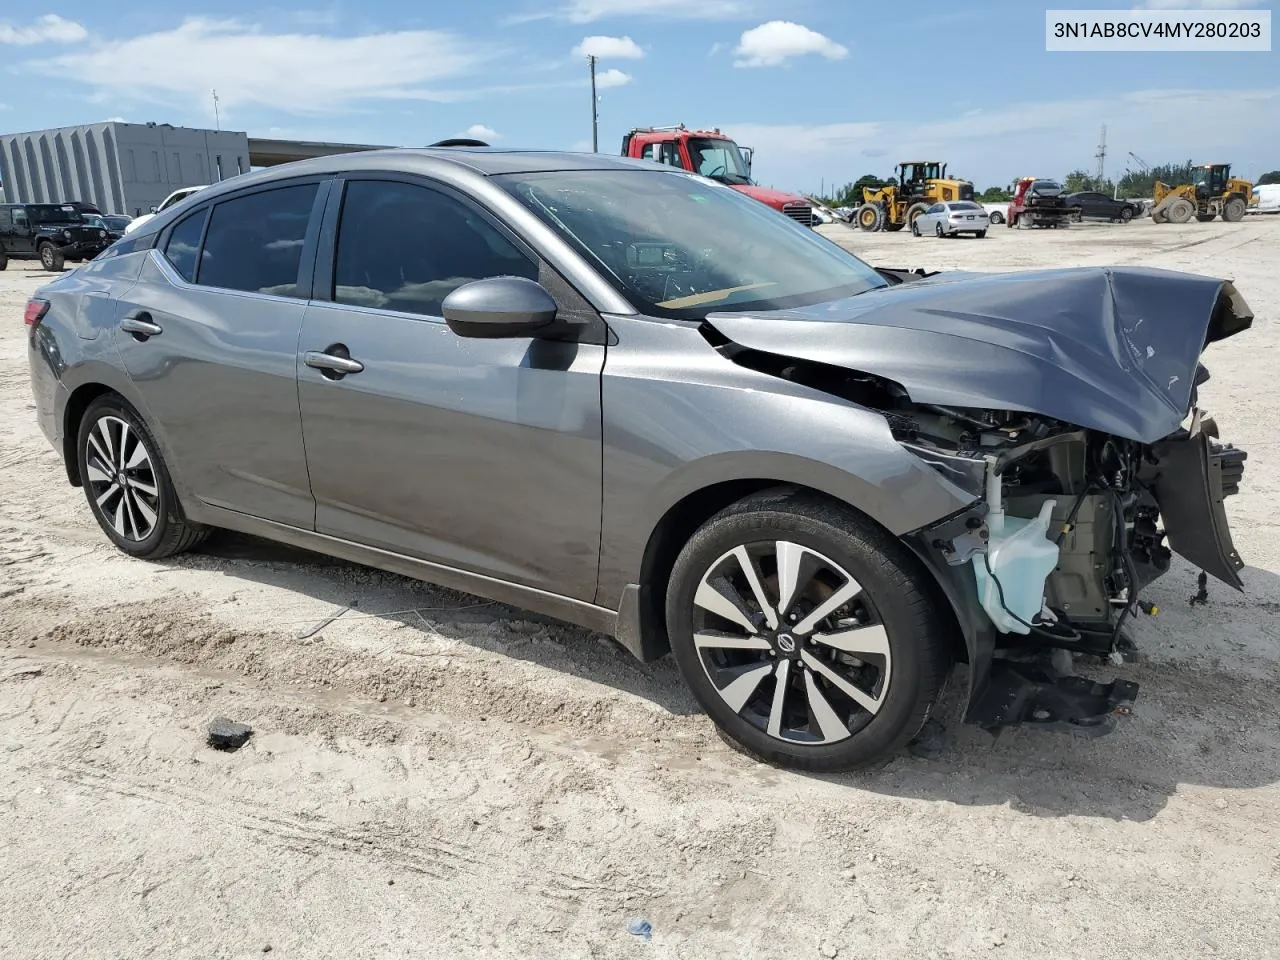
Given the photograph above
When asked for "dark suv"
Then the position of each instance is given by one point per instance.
(49, 232)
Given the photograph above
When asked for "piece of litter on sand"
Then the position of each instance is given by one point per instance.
(227, 734)
(640, 928)
(305, 633)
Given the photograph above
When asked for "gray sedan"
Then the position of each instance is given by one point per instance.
(951, 219)
(639, 401)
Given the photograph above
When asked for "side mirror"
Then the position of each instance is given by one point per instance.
(499, 307)
(747, 154)
(155, 209)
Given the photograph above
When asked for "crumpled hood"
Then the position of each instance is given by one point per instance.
(1113, 349)
(767, 195)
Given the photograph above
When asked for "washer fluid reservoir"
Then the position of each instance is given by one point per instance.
(1020, 556)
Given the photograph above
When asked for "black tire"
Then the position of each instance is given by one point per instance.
(915, 211)
(981, 234)
(997, 218)
(870, 217)
(1205, 217)
(937, 231)
(915, 230)
(1233, 210)
(170, 532)
(1180, 211)
(50, 258)
(1126, 214)
(4, 260)
(895, 594)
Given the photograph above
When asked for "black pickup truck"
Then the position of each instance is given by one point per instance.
(52, 233)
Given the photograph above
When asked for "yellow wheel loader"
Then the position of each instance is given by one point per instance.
(1216, 194)
(920, 184)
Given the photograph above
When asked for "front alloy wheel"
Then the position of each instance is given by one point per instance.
(809, 634)
(791, 642)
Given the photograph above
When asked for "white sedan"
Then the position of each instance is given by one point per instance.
(951, 219)
(175, 197)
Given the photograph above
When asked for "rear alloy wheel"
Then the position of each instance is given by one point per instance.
(937, 230)
(997, 218)
(805, 632)
(50, 258)
(1126, 214)
(127, 485)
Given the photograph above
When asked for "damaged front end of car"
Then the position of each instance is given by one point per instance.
(1072, 419)
(1069, 528)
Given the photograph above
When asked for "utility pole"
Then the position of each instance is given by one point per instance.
(217, 120)
(595, 110)
(1101, 155)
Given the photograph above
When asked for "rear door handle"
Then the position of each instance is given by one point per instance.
(140, 325)
(333, 362)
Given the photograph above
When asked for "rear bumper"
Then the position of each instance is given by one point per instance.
(967, 226)
(86, 249)
(47, 388)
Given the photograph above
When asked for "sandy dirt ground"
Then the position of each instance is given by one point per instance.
(436, 776)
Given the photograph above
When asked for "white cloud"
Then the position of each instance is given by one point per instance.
(1047, 138)
(50, 28)
(612, 78)
(478, 131)
(297, 72)
(715, 48)
(115, 120)
(609, 48)
(775, 42)
(589, 11)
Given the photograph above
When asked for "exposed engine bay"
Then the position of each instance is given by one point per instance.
(1073, 524)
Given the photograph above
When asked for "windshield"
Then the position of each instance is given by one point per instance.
(965, 205)
(678, 247)
(93, 220)
(117, 223)
(718, 159)
(921, 171)
(54, 213)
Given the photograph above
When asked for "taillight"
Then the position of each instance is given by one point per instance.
(36, 309)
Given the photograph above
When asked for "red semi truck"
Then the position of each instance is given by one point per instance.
(712, 154)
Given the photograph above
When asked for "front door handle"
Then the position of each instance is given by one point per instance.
(140, 325)
(334, 362)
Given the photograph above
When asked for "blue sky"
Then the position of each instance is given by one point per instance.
(807, 83)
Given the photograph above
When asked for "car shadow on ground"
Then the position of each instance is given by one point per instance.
(1205, 716)
(454, 615)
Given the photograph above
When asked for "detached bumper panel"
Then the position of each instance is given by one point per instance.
(1195, 475)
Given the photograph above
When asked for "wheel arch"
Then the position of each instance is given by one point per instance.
(84, 384)
(641, 625)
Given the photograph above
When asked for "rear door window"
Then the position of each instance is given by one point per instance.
(184, 244)
(254, 242)
(406, 247)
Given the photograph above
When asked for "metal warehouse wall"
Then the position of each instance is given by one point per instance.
(121, 167)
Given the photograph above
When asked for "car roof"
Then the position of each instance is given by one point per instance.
(487, 161)
(427, 161)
